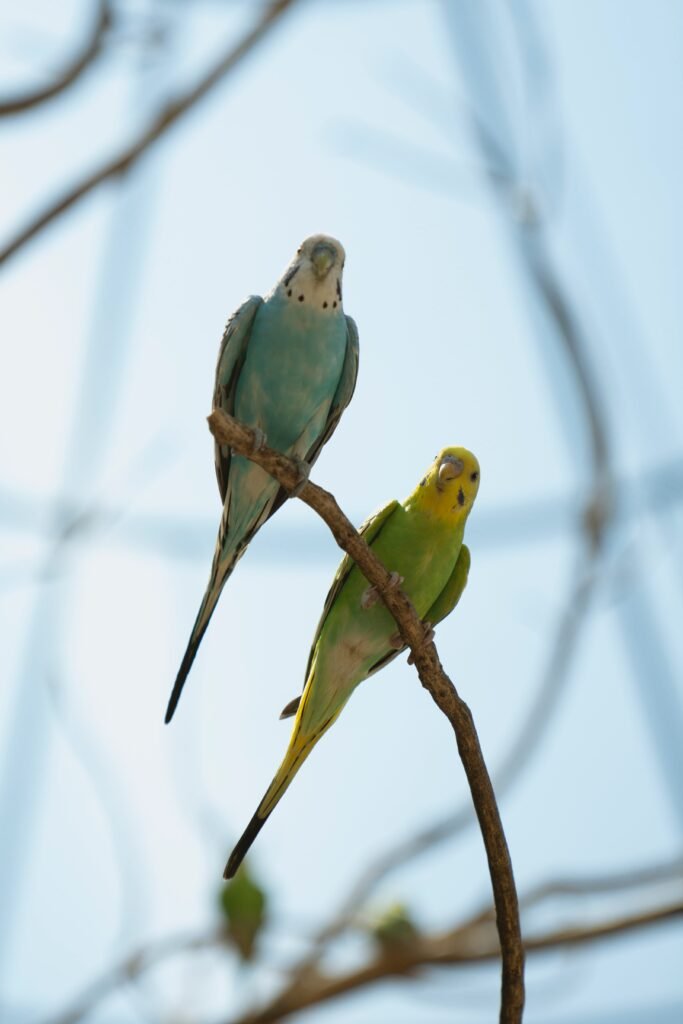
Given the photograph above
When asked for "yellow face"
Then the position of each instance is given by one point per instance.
(450, 485)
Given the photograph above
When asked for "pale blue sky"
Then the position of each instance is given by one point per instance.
(351, 119)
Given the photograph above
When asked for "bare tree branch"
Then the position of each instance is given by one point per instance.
(166, 117)
(471, 941)
(454, 948)
(89, 51)
(435, 681)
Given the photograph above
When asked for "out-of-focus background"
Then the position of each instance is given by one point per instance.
(506, 180)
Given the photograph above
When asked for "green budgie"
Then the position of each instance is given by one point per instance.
(421, 542)
(287, 367)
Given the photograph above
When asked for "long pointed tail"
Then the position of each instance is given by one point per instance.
(242, 846)
(294, 758)
(206, 610)
(300, 746)
(233, 540)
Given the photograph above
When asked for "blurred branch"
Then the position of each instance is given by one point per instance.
(635, 878)
(89, 51)
(599, 509)
(160, 124)
(116, 811)
(435, 681)
(663, 872)
(472, 941)
(475, 37)
(135, 964)
(505, 525)
(458, 947)
(414, 164)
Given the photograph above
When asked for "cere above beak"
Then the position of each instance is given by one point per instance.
(450, 468)
(323, 258)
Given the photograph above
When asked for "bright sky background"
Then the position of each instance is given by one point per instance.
(351, 119)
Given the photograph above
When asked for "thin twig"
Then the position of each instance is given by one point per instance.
(89, 51)
(432, 676)
(172, 112)
(661, 873)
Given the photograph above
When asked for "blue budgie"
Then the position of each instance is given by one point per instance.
(287, 367)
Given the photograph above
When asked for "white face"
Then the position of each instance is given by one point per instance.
(314, 277)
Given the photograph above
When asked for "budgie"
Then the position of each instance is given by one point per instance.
(421, 542)
(287, 367)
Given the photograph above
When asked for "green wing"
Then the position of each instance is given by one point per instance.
(369, 531)
(452, 592)
(444, 604)
(230, 361)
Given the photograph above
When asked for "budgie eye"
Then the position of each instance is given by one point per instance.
(474, 476)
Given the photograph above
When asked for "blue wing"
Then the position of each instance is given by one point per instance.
(231, 357)
(342, 397)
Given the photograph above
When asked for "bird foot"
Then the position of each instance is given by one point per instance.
(370, 595)
(304, 473)
(259, 442)
(427, 639)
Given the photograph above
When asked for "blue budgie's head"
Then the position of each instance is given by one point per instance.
(314, 277)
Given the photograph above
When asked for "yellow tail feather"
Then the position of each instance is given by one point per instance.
(300, 746)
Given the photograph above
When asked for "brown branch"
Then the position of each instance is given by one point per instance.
(435, 681)
(87, 54)
(167, 116)
(471, 941)
(452, 948)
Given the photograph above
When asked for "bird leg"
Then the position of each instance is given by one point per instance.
(370, 595)
(399, 643)
(259, 441)
(304, 473)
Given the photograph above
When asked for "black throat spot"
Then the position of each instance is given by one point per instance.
(290, 276)
(461, 497)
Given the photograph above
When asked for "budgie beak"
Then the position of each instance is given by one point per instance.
(323, 258)
(449, 468)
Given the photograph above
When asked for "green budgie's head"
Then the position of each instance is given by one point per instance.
(450, 485)
(314, 277)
